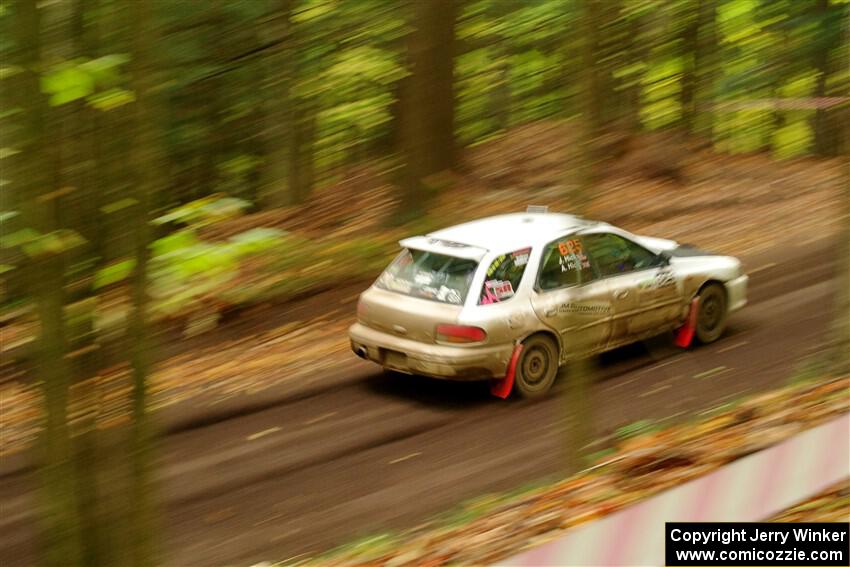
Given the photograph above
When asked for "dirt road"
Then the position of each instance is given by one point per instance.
(377, 452)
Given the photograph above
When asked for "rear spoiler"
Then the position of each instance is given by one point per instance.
(445, 247)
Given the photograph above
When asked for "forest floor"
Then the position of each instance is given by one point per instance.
(738, 204)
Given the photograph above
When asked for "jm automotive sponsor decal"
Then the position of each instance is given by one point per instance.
(584, 308)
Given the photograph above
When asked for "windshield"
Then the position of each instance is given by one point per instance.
(429, 276)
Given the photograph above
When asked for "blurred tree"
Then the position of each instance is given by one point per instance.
(500, 97)
(840, 351)
(578, 374)
(145, 168)
(44, 269)
(593, 95)
(280, 112)
(827, 62)
(699, 47)
(81, 150)
(427, 108)
(705, 57)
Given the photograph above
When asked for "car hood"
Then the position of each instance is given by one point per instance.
(691, 259)
(656, 244)
(672, 247)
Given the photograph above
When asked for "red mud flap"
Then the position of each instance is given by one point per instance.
(685, 333)
(502, 388)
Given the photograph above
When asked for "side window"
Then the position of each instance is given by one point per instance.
(503, 277)
(564, 263)
(614, 255)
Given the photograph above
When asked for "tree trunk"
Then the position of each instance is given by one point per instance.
(592, 78)
(638, 53)
(145, 164)
(279, 70)
(499, 101)
(840, 352)
(438, 20)
(58, 498)
(702, 121)
(427, 107)
(578, 374)
(687, 93)
(592, 99)
(825, 139)
(97, 528)
(301, 166)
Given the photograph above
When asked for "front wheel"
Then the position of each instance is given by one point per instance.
(537, 366)
(711, 318)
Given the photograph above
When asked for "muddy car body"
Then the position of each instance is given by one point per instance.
(528, 292)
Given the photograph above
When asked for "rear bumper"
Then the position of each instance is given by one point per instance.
(736, 292)
(439, 361)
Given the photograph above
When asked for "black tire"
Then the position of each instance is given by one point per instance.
(711, 319)
(537, 366)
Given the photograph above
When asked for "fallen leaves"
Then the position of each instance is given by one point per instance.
(289, 352)
(831, 505)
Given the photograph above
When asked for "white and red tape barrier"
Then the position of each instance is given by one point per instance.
(750, 489)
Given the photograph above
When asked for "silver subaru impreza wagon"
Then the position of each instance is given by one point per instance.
(512, 297)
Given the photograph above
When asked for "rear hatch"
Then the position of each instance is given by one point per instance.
(403, 316)
(418, 291)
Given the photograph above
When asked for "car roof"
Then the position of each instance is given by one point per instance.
(516, 230)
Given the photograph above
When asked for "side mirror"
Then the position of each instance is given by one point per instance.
(664, 258)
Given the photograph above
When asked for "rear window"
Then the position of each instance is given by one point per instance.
(429, 276)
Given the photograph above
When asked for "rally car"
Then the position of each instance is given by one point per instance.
(512, 297)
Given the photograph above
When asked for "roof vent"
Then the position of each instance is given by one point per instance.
(537, 209)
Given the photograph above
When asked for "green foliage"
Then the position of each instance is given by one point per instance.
(639, 427)
(367, 547)
(257, 240)
(175, 242)
(236, 172)
(240, 165)
(95, 80)
(792, 140)
(185, 276)
(118, 205)
(205, 211)
(114, 273)
(36, 244)
(18, 238)
(111, 98)
(53, 243)
(189, 274)
(67, 83)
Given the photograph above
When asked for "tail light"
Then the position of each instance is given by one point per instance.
(460, 334)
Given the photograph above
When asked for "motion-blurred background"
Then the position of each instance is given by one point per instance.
(180, 176)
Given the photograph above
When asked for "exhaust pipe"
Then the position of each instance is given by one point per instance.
(361, 352)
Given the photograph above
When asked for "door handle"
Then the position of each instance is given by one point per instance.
(621, 294)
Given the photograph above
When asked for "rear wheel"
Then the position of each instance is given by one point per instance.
(711, 319)
(537, 366)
